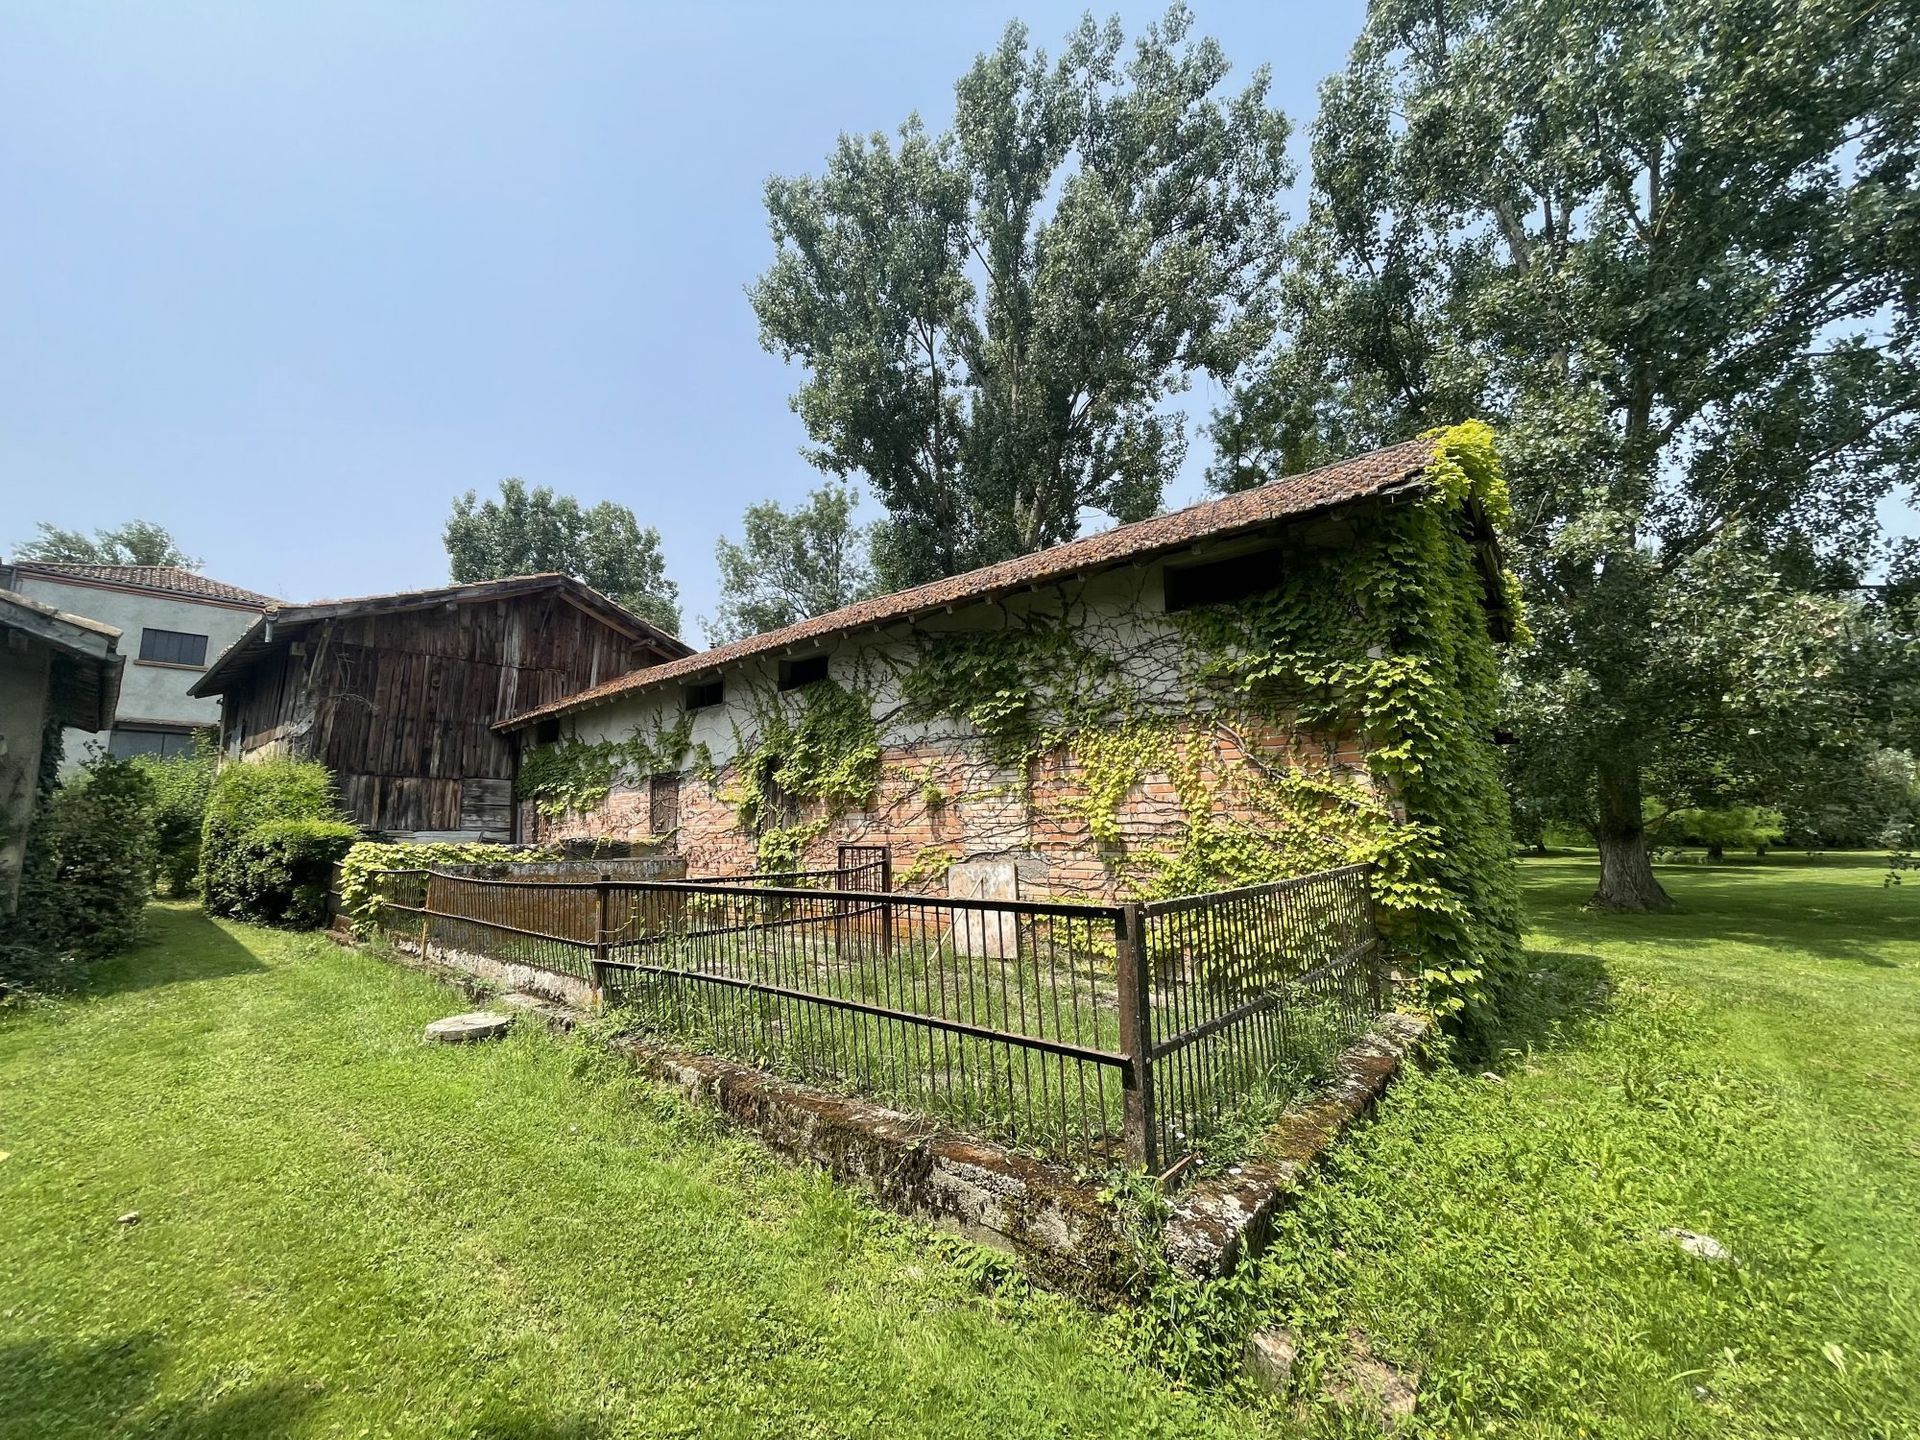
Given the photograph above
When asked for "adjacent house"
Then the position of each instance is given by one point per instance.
(56, 669)
(1230, 692)
(174, 621)
(398, 694)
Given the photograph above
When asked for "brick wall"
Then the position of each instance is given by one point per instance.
(942, 801)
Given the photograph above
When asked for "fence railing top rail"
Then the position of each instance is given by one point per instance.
(1249, 892)
(1064, 909)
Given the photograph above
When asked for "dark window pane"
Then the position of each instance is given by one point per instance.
(174, 647)
(699, 697)
(1223, 581)
(127, 743)
(796, 673)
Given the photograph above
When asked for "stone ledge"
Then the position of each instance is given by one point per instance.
(1039, 1210)
(1220, 1218)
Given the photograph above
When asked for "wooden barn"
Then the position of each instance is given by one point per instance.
(398, 694)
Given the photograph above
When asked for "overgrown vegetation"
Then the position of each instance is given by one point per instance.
(825, 749)
(576, 775)
(282, 869)
(88, 872)
(1387, 637)
(181, 784)
(234, 879)
(358, 899)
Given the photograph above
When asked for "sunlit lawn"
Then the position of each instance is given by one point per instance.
(343, 1232)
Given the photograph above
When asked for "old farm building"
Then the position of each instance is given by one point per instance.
(1170, 705)
(398, 694)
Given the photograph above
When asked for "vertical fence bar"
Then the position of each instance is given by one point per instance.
(1136, 1080)
(597, 960)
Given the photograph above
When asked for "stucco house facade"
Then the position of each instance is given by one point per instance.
(174, 623)
(1176, 704)
(55, 669)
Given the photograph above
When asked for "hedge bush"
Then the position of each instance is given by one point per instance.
(243, 798)
(88, 873)
(181, 784)
(283, 867)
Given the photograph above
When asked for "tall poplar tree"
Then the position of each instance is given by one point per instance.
(993, 320)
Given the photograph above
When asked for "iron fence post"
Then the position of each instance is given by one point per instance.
(1136, 1079)
(596, 966)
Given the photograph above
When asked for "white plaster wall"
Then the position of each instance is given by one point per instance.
(147, 691)
(1120, 613)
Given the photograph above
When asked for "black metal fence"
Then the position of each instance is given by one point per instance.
(1091, 1033)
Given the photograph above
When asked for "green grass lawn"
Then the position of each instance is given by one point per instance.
(343, 1232)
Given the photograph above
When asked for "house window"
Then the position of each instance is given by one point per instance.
(1223, 581)
(796, 673)
(173, 647)
(547, 732)
(701, 697)
(127, 741)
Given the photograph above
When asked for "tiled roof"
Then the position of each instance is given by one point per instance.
(171, 579)
(1379, 472)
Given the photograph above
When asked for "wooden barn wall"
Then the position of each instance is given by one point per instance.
(400, 706)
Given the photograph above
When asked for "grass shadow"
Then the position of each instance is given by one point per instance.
(181, 946)
(1550, 1004)
(84, 1388)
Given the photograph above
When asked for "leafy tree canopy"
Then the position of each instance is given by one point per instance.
(137, 542)
(994, 318)
(528, 532)
(1674, 249)
(791, 564)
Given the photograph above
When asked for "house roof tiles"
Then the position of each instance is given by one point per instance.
(169, 579)
(1377, 473)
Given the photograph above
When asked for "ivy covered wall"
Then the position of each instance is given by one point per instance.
(1108, 748)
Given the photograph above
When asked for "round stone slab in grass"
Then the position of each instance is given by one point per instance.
(474, 1025)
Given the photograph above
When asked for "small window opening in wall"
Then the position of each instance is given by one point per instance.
(1221, 582)
(703, 697)
(173, 647)
(796, 673)
(547, 732)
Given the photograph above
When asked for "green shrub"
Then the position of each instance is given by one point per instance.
(244, 797)
(181, 784)
(1736, 827)
(283, 868)
(88, 873)
(356, 870)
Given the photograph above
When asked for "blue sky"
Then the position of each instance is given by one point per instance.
(287, 278)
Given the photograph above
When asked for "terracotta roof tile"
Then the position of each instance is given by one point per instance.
(1379, 472)
(171, 579)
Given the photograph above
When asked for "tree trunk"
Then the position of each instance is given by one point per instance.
(1716, 852)
(1626, 873)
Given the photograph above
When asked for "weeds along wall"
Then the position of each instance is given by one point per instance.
(1101, 746)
